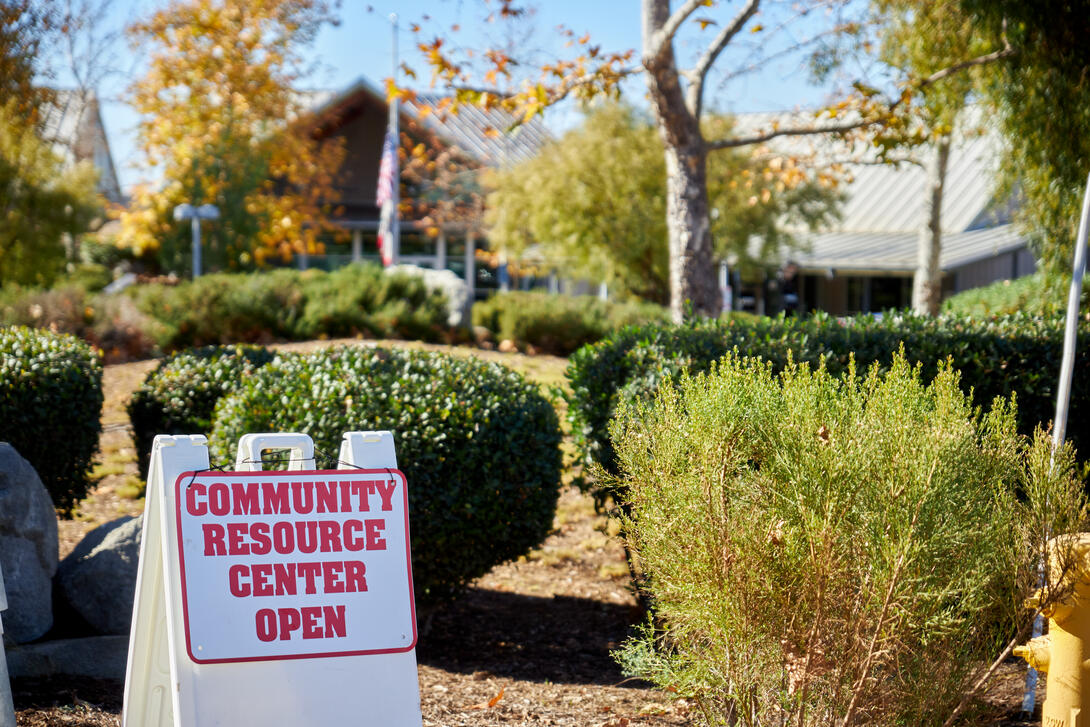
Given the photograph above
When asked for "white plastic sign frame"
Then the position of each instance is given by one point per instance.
(231, 684)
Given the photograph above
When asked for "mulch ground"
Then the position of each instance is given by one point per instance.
(527, 644)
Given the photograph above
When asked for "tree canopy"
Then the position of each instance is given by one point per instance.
(42, 199)
(220, 119)
(1043, 95)
(595, 201)
(682, 44)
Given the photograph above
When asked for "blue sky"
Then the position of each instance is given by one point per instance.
(361, 46)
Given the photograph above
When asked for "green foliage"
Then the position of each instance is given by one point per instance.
(1035, 295)
(478, 443)
(43, 201)
(50, 404)
(363, 299)
(1003, 356)
(832, 550)
(1043, 96)
(180, 394)
(596, 202)
(292, 305)
(559, 323)
(110, 322)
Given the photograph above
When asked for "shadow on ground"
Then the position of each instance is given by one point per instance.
(557, 639)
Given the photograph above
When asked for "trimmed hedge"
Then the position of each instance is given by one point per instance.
(180, 394)
(559, 324)
(51, 407)
(1033, 294)
(480, 445)
(1014, 355)
(292, 305)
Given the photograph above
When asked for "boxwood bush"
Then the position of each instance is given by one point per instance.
(559, 323)
(51, 407)
(478, 443)
(180, 394)
(1003, 356)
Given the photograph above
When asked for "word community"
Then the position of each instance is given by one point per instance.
(292, 544)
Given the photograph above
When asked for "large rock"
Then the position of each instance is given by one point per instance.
(98, 578)
(28, 548)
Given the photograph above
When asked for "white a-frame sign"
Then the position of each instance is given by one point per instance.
(274, 597)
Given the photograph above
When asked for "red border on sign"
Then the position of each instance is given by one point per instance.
(319, 655)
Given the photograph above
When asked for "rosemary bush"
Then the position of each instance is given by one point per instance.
(828, 550)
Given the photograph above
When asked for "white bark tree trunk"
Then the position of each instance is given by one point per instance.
(692, 266)
(927, 281)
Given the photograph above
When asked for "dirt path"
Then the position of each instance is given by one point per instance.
(527, 644)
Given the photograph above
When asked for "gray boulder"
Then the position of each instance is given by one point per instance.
(98, 578)
(28, 548)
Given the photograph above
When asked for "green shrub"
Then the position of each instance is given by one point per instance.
(477, 442)
(362, 299)
(50, 407)
(827, 550)
(180, 394)
(111, 322)
(92, 277)
(1032, 295)
(559, 323)
(292, 305)
(996, 357)
(225, 308)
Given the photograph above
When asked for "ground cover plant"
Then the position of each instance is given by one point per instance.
(50, 403)
(559, 323)
(832, 550)
(180, 394)
(1002, 356)
(480, 445)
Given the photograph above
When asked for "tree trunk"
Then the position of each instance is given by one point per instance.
(927, 282)
(693, 280)
(692, 267)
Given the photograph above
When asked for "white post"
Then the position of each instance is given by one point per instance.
(603, 292)
(1063, 397)
(7, 708)
(357, 245)
(470, 266)
(1063, 400)
(441, 250)
(195, 226)
(724, 288)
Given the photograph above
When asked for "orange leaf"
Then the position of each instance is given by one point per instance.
(496, 699)
(705, 22)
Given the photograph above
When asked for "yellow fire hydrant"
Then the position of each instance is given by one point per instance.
(1064, 653)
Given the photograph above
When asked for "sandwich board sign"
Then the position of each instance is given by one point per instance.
(274, 597)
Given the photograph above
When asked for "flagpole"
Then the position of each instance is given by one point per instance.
(395, 227)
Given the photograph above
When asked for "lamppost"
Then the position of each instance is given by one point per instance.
(195, 215)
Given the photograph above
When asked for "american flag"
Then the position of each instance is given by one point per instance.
(384, 197)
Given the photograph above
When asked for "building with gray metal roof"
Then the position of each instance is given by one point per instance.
(72, 124)
(865, 262)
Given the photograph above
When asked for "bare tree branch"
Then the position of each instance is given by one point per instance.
(935, 77)
(790, 131)
(669, 29)
(699, 72)
(725, 36)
